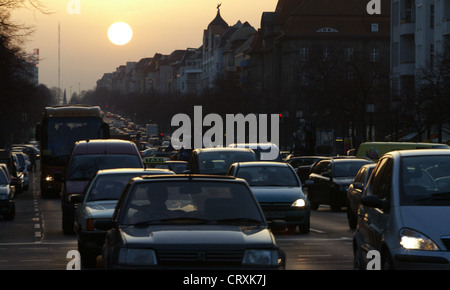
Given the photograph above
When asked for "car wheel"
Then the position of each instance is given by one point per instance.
(88, 259)
(304, 229)
(67, 223)
(386, 261)
(358, 263)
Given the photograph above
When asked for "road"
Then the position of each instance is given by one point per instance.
(34, 239)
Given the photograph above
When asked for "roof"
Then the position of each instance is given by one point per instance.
(218, 26)
(223, 149)
(103, 146)
(133, 170)
(263, 163)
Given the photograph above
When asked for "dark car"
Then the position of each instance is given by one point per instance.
(88, 157)
(217, 160)
(329, 180)
(355, 191)
(303, 165)
(190, 222)
(279, 192)
(7, 193)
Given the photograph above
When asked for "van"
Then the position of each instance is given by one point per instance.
(264, 151)
(86, 158)
(217, 161)
(374, 150)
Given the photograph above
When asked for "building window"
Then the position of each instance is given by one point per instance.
(374, 27)
(374, 54)
(349, 54)
(304, 53)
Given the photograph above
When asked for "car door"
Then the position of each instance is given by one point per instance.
(373, 221)
(320, 177)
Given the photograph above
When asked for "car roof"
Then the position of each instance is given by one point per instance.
(262, 163)
(342, 160)
(224, 178)
(223, 149)
(99, 146)
(420, 152)
(133, 170)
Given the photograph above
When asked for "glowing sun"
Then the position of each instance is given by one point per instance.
(120, 33)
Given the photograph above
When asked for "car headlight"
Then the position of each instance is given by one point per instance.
(49, 178)
(143, 257)
(261, 258)
(299, 203)
(413, 240)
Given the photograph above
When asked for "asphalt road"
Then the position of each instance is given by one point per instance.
(34, 239)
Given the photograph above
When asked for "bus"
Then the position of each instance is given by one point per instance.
(60, 128)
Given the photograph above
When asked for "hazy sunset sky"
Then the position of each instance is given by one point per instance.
(159, 26)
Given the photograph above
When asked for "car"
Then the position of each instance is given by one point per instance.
(329, 180)
(7, 194)
(177, 166)
(97, 206)
(217, 161)
(355, 191)
(303, 165)
(22, 166)
(374, 150)
(403, 216)
(16, 175)
(190, 221)
(279, 192)
(263, 151)
(86, 158)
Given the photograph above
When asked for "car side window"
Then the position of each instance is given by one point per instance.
(382, 180)
(322, 167)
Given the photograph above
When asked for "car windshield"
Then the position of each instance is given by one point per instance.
(197, 202)
(219, 162)
(425, 180)
(268, 176)
(3, 179)
(108, 186)
(348, 169)
(86, 166)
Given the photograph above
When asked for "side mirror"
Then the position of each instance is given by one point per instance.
(358, 185)
(76, 198)
(375, 202)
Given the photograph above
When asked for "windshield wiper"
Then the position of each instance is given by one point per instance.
(239, 220)
(436, 196)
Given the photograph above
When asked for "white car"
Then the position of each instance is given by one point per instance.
(93, 215)
(404, 216)
(7, 192)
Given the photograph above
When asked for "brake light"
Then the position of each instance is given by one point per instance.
(90, 225)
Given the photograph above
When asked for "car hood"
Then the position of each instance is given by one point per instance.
(76, 186)
(101, 209)
(277, 193)
(197, 236)
(429, 220)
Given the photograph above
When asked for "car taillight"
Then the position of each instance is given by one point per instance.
(90, 225)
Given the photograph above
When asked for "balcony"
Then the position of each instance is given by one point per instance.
(407, 27)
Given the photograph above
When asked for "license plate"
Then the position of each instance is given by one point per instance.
(274, 214)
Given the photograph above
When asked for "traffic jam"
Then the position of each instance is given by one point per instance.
(142, 204)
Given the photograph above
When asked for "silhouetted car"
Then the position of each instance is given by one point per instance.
(278, 190)
(190, 222)
(96, 208)
(355, 191)
(404, 212)
(303, 165)
(7, 193)
(329, 180)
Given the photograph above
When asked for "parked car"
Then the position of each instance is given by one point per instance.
(86, 158)
(279, 192)
(190, 222)
(217, 161)
(355, 191)
(7, 194)
(96, 208)
(404, 212)
(329, 180)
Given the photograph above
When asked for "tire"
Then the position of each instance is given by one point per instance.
(352, 219)
(67, 223)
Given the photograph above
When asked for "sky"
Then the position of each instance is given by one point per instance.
(159, 26)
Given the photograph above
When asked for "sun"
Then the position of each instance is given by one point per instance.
(120, 33)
